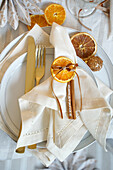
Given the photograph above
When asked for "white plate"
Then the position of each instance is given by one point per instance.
(11, 90)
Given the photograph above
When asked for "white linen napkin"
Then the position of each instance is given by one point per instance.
(41, 120)
(40, 37)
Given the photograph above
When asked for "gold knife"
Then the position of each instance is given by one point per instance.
(30, 68)
(30, 78)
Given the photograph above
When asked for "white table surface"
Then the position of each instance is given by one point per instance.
(98, 22)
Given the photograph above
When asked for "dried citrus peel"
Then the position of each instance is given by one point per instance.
(55, 13)
(85, 45)
(100, 7)
(103, 9)
(37, 19)
(59, 69)
(81, 22)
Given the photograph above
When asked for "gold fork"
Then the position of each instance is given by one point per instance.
(40, 70)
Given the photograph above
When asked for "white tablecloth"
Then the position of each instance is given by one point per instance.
(98, 22)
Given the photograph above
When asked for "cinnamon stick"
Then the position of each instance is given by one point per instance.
(69, 107)
(73, 99)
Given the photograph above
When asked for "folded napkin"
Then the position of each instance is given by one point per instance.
(17, 10)
(75, 161)
(20, 10)
(41, 119)
(40, 37)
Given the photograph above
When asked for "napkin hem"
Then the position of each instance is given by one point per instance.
(102, 127)
(68, 148)
(25, 140)
(43, 157)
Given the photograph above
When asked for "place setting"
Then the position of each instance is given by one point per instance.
(55, 89)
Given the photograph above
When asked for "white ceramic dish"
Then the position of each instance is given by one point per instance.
(11, 90)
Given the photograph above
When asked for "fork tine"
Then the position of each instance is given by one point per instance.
(41, 57)
(44, 54)
(38, 56)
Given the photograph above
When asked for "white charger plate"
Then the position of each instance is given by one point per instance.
(13, 83)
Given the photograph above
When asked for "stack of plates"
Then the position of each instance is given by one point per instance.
(13, 85)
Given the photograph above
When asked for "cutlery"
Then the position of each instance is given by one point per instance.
(30, 76)
(40, 70)
(30, 67)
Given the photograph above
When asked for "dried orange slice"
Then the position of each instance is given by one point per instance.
(85, 45)
(37, 19)
(64, 75)
(55, 13)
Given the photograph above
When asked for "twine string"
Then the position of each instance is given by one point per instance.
(60, 68)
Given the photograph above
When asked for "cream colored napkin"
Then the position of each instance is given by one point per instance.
(40, 37)
(41, 119)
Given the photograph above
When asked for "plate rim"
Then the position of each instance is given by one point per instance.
(2, 91)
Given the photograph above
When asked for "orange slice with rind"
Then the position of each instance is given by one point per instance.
(62, 76)
(85, 45)
(55, 13)
(37, 19)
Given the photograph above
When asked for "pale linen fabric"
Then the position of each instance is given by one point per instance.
(40, 37)
(9, 144)
(14, 11)
(41, 118)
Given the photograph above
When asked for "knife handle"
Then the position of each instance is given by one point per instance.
(32, 146)
(20, 150)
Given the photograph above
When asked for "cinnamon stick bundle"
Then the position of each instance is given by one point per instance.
(71, 100)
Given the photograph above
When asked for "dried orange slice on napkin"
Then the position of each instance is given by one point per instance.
(55, 13)
(85, 45)
(37, 19)
(62, 75)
